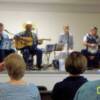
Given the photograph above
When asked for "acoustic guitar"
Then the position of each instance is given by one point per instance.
(22, 42)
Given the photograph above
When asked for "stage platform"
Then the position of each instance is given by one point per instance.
(49, 78)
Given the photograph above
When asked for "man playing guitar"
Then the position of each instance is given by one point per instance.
(92, 42)
(30, 50)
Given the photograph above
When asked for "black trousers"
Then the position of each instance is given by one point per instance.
(5, 53)
(28, 54)
(93, 63)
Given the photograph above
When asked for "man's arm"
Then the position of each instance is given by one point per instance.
(60, 40)
(35, 39)
(72, 43)
(18, 35)
(91, 45)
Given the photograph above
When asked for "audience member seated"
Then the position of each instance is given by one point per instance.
(89, 91)
(45, 95)
(16, 88)
(75, 65)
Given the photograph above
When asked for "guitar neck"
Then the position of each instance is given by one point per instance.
(45, 39)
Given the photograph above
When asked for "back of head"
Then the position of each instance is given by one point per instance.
(76, 63)
(15, 66)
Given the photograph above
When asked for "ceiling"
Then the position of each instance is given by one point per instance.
(89, 6)
(57, 1)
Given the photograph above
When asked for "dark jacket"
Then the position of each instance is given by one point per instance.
(67, 89)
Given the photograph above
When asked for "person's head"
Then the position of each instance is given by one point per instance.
(15, 66)
(28, 26)
(66, 29)
(75, 63)
(1, 28)
(94, 31)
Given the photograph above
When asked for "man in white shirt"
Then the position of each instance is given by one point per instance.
(92, 41)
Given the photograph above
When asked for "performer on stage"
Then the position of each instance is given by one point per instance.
(5, 44)
(92, 42)
(29, 51)
(64, 47)
(66, 38)
(66, 42)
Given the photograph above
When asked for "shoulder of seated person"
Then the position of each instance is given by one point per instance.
(58, 84)
(89, 85)
(32, 85)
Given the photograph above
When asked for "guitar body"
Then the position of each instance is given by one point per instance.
(22, 42)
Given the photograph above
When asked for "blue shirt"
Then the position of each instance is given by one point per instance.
(2, 38)
(66, 39)
(5, 42)
(18, 92)
(89, 91)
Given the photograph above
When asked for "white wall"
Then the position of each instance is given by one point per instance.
(48, 80)
(50, 23)
(50, 18)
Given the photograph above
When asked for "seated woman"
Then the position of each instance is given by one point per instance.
(75, 65)
(16, 88)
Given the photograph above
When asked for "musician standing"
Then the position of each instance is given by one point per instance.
(66, 39)
(91, 41)
(29, 51)
(4, 50)
(64, 47)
